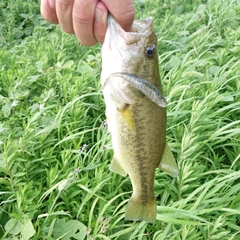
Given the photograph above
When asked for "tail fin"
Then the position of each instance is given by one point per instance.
(138, 211)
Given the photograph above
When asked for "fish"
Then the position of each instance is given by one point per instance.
(136, 112)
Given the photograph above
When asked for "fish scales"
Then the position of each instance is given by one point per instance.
(133, 95)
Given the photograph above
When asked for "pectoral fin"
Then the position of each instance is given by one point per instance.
(116, 167)
(127, 114)
(168, 163)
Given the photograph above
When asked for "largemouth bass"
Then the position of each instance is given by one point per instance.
(136, 112)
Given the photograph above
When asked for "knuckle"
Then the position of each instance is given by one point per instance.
(63, 4)
(128, 15)
(82, 19)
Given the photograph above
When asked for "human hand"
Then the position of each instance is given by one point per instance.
(88, 18)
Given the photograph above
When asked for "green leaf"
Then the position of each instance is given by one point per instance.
(32, 79)
(68, 64)
(213, 70)
(23, 15)
(68, 230)
(28, 230)
(54, 214)
(65, 183)
(12, 238)
(47, 121)
(34, 107)
(85, 69)
(19, 174)
(6, 109)
(13, 226)
(2, 162)
(174, 61)
(201, 8)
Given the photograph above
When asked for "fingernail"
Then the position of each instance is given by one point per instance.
(51, 4)
(98, 15)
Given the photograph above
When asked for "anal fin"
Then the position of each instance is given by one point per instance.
(116, 167)
(168, 163)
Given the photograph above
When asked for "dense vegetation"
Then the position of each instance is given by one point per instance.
(55, 147)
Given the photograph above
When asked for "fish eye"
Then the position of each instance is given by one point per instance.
(150, 51)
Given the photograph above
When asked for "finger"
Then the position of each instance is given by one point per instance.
(123, 12)
(83, 19)
(64, 10)
(100, 21)
(48, 11)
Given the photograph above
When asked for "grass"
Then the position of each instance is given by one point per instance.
(55, 148)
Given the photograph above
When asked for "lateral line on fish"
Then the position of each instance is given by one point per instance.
(142, 85)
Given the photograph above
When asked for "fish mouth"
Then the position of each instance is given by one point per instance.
(141, 29)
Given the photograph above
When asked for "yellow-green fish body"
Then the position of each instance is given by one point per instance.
(136, 113)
